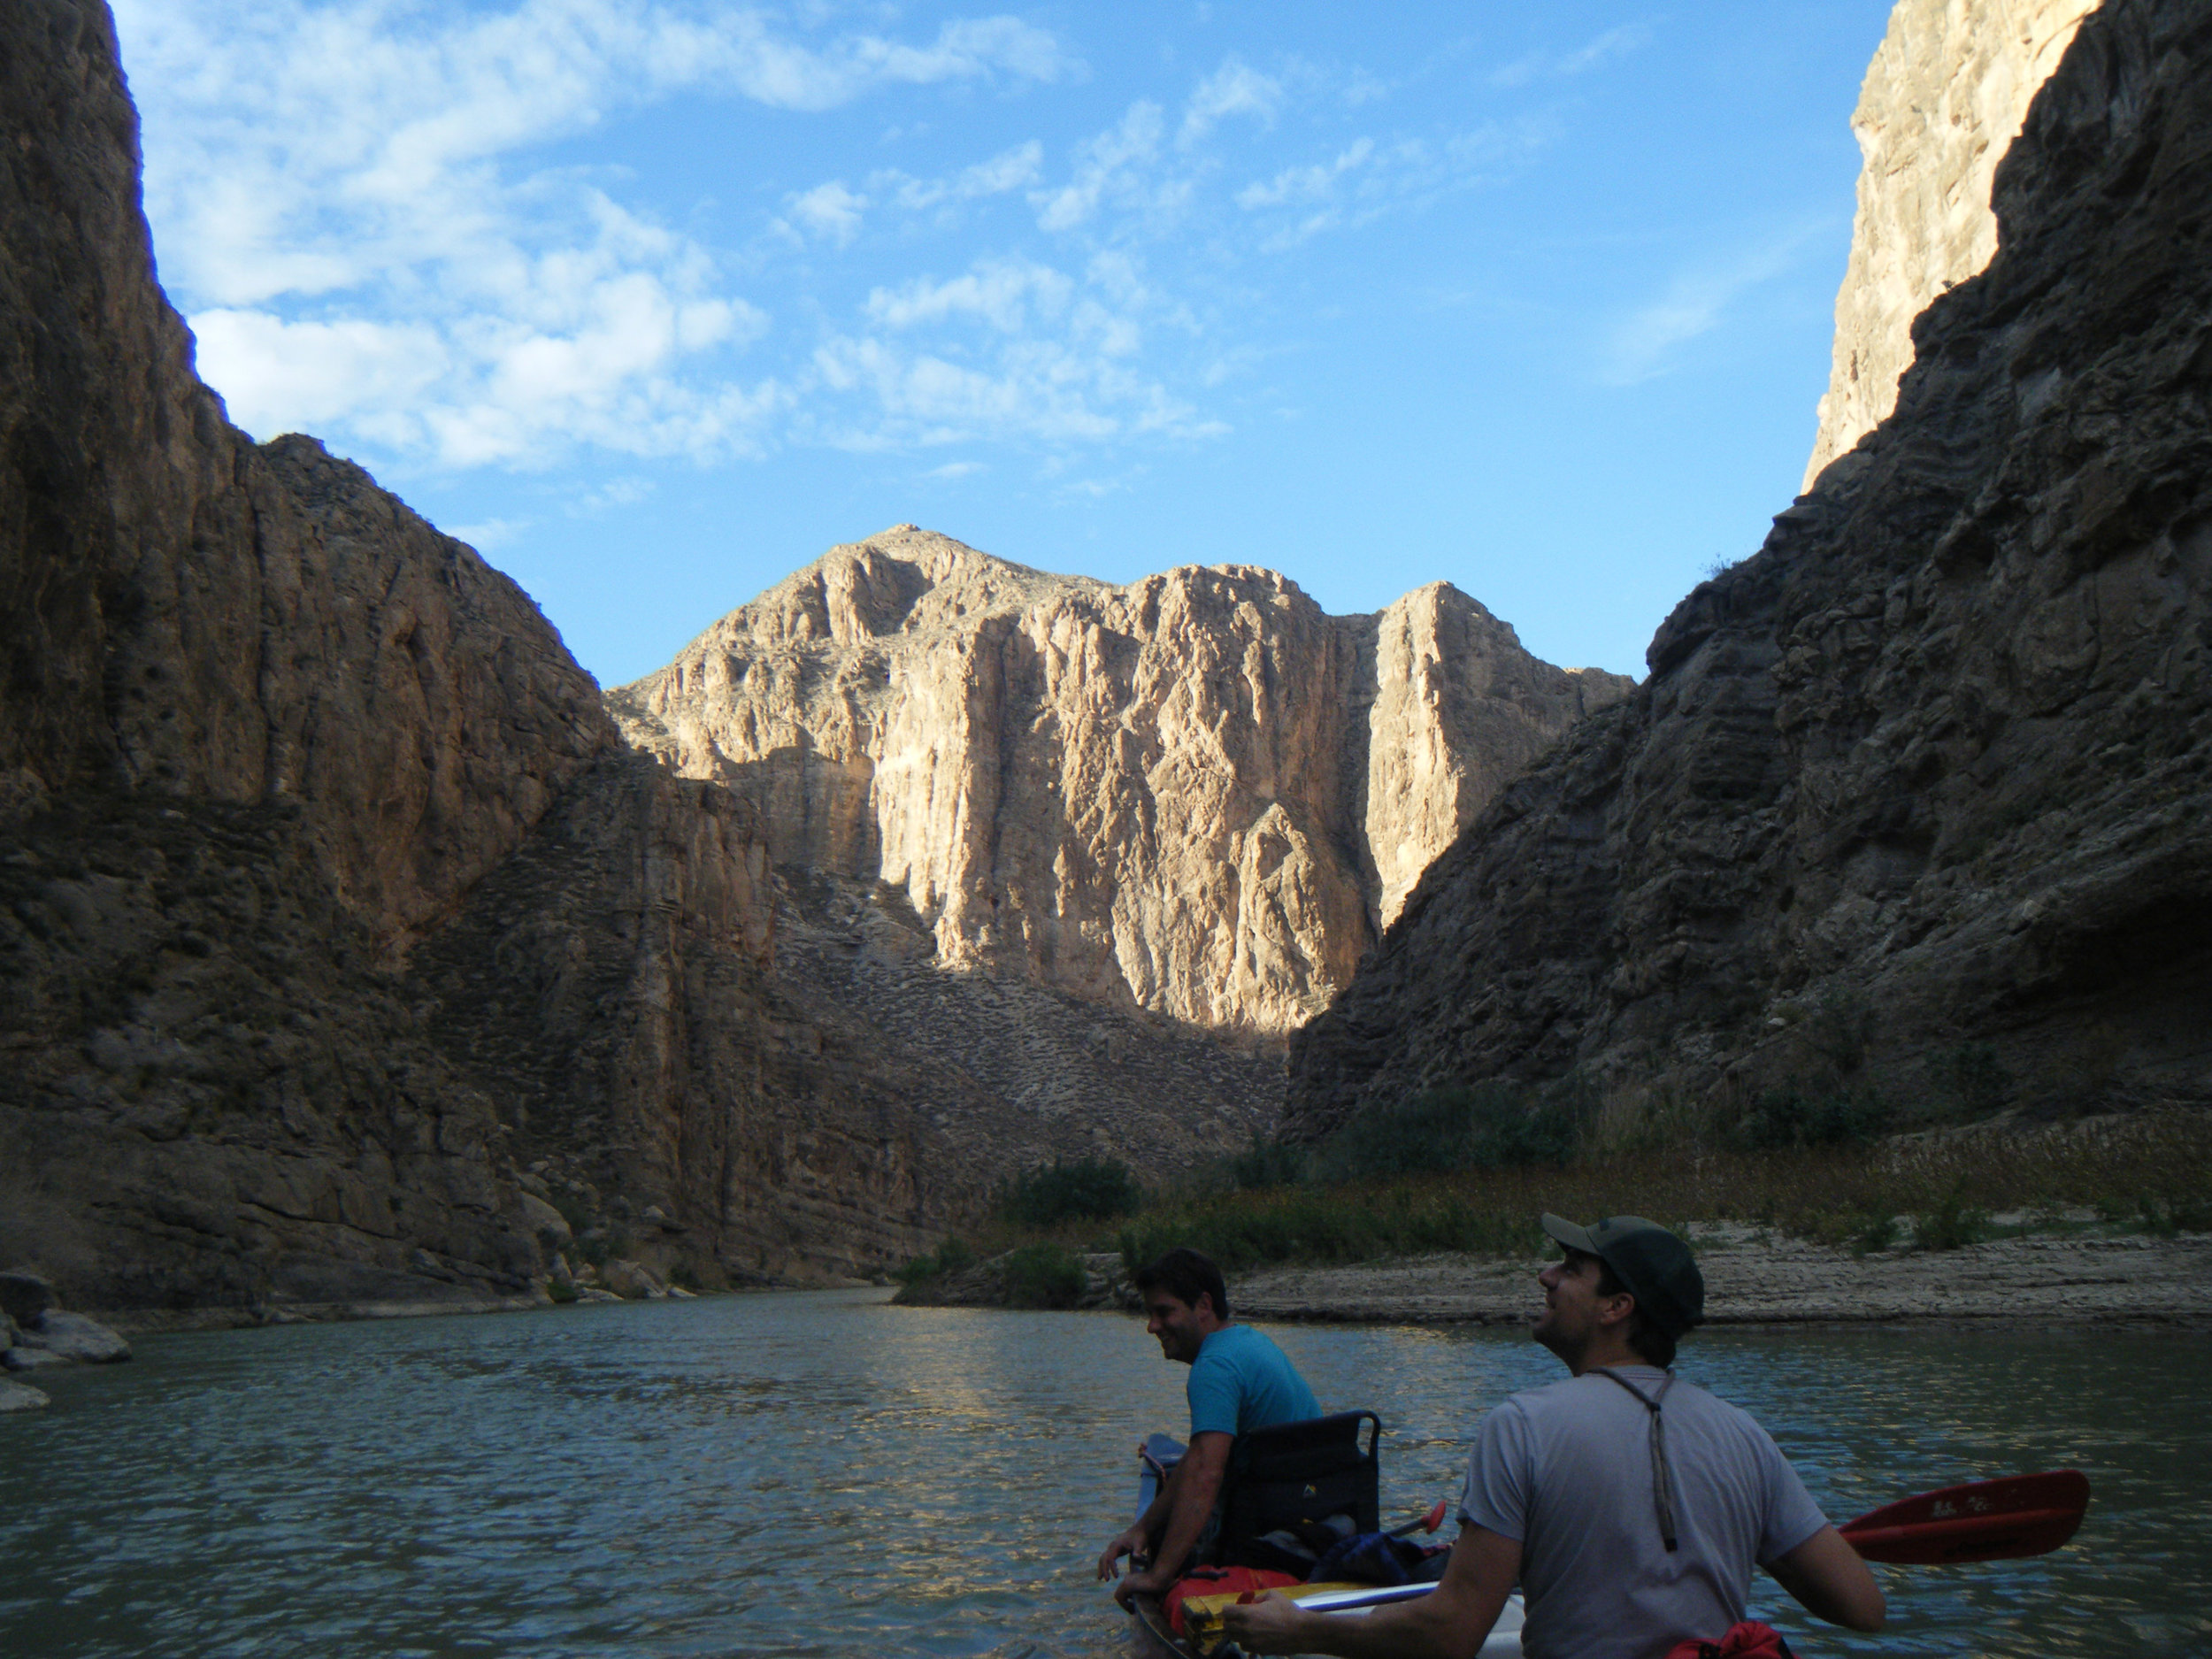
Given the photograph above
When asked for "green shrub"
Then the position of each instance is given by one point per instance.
(1268, 1163)
(1323, 1224)
(1492, 1125)
(1089, 1189)
(1877, 1235)
(1972, 1079)
(1798, 1118)
(1952, 1223)
(559, 1291)
(1044, 1276)
(951, 1256)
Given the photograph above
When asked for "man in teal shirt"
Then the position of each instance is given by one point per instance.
(1239, 1381)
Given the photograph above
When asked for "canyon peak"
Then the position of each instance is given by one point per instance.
(1196, 795)
(1941, 104)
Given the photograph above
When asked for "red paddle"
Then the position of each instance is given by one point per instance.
(1988, 1520)
(1428, 1522)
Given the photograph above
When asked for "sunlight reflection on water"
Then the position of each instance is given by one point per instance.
(819, 1474)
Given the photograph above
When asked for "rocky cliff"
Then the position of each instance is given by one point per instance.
(1942, 102)
(1928, 774)
(351, 959)
(1195, 797)
(269, 746)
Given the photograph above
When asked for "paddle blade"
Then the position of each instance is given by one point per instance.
(1989, 1520)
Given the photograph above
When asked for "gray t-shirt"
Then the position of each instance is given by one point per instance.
(1566, 1470)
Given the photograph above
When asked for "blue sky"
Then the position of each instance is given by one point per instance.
(655, 300)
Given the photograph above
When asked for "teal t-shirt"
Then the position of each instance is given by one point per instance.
(1241, 1382)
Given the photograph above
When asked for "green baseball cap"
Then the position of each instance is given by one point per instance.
(1657, 1266)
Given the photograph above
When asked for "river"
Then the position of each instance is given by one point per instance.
(819, 1473)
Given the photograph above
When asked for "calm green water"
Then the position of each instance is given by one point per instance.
(823, 1474)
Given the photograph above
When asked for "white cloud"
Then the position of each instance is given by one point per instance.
(489, 534)
(1643, 346)
(1108, 166)
(1059, 359)
(279, 376)
(1009, 170)
(1615, 42)
(1370, 178)
(998, 293)
(952, 470)
(1306, 184)
(830, 212)
(344, 206)
(1233, 89)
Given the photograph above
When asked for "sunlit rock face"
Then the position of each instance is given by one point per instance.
(1929, 774)
(1194, 795)
(1942, 102)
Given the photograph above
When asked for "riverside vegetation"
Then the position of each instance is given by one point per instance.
(1468, 1170)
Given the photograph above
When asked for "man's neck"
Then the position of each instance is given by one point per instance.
(1608, 1356)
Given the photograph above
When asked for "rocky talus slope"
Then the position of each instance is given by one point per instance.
(1943, 99)
(1929, 770)
(1195, 797)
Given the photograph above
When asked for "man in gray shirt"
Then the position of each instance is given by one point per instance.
(1629, 1506)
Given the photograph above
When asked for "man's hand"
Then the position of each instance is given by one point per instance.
(1151, 1581)
(1129, 1543)
(1273, 1623)
(1451, 1622)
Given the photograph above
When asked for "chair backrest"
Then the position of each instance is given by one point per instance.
(1297, 1474)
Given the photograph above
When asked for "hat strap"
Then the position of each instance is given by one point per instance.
(1660, 1483)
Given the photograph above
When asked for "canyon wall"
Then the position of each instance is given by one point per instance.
(351, 959)
(1928, 775)
(1943, 99)
(265, 737)
(1196, 796)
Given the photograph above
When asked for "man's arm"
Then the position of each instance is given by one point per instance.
(1826, 1576)
(1135, 1540)
(1451, 1622)
(1190, 1497)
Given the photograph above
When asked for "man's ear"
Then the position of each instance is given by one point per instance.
(1619, 1307)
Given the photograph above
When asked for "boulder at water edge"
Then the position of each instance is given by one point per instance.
(15, 1396)
(633, 1281)
(72, 1336)
(23, 1357)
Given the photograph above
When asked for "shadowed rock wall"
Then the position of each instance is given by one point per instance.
(264, 736)
(1933, 767)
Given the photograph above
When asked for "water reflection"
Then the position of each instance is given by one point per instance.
(819, 1474)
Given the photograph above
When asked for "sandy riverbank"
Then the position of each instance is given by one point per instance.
(1754, 1277)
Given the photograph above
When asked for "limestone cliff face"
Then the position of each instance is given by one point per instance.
(267, 738)
(1193, 796)
(1942, 102)
(1933, 768)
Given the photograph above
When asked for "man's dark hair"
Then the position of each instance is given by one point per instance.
(1652, 1344)
(1186, 1274)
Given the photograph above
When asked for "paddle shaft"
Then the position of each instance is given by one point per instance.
(1985, 1520)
